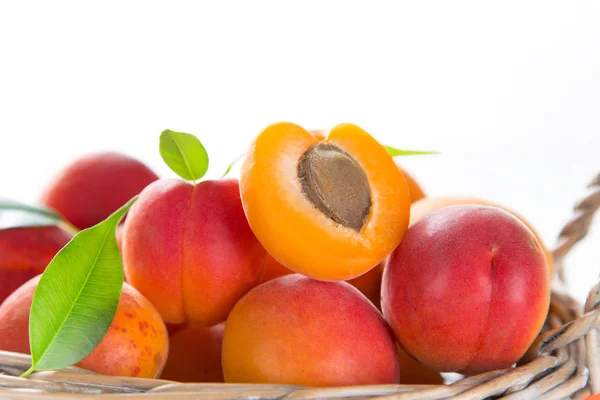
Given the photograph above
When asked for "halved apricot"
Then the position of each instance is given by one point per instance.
(329, 206)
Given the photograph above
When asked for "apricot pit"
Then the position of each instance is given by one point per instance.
(336, 184)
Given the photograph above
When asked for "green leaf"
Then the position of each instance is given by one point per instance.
(18, 215)
(228, 170)
(77, 297)
(397, 152)
(184, 154)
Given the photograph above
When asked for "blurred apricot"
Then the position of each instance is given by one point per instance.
(195, 354)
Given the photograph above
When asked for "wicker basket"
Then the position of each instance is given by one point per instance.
(563, 362)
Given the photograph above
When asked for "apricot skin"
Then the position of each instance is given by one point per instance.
(136, 344)
(92, 187)
(195, 354)
(295, 330)
(427, 205)
(189, 250)
(467, 290)
(25, 253)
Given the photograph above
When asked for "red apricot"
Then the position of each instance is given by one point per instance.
(25, 253)
(92, 187)
(188, 248)
(467, 289)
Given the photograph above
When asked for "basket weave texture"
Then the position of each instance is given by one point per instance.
(563, 362)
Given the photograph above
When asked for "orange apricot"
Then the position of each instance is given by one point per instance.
(136, 344)
(369, 284)
(430, 204)
(329, 207)
(296, 330)
(273, 269)
(416, 192)
(195, 354)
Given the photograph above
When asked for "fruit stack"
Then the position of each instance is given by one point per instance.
(325, 265)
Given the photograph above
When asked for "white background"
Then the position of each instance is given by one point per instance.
(509, 92)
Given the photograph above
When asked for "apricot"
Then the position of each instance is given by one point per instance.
(195, 354)
(329, 207)
(423, 207)
(188, 248)
(415, 373)
(295, 330)
(273, 269)
(136, 344)
(368, 283)
(25, 252)
(415, 190)
(467, 290)
(92, 187)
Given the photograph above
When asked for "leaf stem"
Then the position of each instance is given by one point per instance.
(230, 166)
(28, 372)
(67, 226)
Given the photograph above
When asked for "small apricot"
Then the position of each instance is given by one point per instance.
(329, 207)
(195, 354)
(136, 344)
(369, 284)
(295, 330)
(415, 190)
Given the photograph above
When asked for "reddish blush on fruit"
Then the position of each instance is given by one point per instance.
(188, 248)
(467, 290)
(92, 187)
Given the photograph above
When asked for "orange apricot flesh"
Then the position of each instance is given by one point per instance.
(329, 207)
